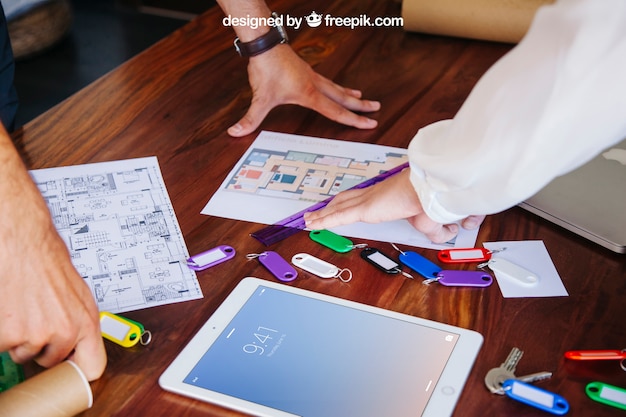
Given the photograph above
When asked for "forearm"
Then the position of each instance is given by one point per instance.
(551, 104)
(16, 187)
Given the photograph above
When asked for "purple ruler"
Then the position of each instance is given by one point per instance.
(294, 223)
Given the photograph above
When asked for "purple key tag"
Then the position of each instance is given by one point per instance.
(274, 263)
(458, 278)
(210, 258)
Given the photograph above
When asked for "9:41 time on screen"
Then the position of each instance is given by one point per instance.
(263, 336)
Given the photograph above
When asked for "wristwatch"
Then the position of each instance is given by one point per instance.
(263, 43)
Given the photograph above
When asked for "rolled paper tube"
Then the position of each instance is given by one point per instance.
(491, 20)
(61, 391)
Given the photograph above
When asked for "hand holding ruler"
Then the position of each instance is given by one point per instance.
(294, 223)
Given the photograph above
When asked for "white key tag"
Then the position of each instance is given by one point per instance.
(535, 397)
(320, 268)
(512, 271)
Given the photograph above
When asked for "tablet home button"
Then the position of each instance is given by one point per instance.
(447, 390)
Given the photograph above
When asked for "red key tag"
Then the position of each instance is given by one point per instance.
(596, 355)
(462, 255)
(599, 355)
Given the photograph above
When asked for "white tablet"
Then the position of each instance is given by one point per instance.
(275, 350)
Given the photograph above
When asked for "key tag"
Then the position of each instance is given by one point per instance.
(607, 394)
(123, 331)
(334, 241)
(274, 263)
(320, 268)
(463, 255)
(211, 257)
(418, 263)
(512, 271)
(383, 262)
(535, 397)
(598, 355)
(454, 278)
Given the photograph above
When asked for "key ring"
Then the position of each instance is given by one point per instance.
(340, 277)
(147, 339)
(622, 363)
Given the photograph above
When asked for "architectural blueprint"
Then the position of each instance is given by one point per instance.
(281, 174)
(119, 225)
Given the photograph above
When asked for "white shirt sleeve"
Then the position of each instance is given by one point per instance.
(552, 103)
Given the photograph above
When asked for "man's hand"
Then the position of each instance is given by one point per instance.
(280, 76)
(47, 312)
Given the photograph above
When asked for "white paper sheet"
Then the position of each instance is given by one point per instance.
(119, 225)
(282, 174)
(533, 256)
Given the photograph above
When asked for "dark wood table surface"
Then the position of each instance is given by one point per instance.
(176, 100)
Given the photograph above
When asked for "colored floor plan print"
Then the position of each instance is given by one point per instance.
(281, 174)
(120, 228)
(304, 176)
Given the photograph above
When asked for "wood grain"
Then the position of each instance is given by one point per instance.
(176, 100)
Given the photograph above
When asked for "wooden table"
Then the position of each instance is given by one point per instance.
(176, 100)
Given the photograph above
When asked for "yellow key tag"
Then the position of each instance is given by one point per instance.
(119, 330)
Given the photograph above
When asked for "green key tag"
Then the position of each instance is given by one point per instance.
(333, 241)
(11, 373)
(607, 394)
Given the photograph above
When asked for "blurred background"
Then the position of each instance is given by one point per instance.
(63, 45)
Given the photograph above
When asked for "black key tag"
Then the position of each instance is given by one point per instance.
(382, 262)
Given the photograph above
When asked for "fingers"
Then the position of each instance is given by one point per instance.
(472, 222)
(346, 97)
(90, 356)
(85, 348)
(337, 113)
(343, 209)
(435, 232)
(280, 76)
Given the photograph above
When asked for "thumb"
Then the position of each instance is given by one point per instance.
(251, 120)
(90, 356)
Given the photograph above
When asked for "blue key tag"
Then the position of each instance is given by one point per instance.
(211, 257)
(418, 263)
(458, 278)
(274, 263)
(535, 397)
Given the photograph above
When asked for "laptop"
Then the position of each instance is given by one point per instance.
(589, 201)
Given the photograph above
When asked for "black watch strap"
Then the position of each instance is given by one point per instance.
(263, 43)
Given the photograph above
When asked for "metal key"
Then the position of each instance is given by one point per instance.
(536, 377)
(496, 376)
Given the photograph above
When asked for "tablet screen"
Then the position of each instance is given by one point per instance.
(315, 358)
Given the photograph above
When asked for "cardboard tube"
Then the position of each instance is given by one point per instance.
(492, 20)
(61, 391)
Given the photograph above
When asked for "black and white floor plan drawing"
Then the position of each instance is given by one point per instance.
(119, 225)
